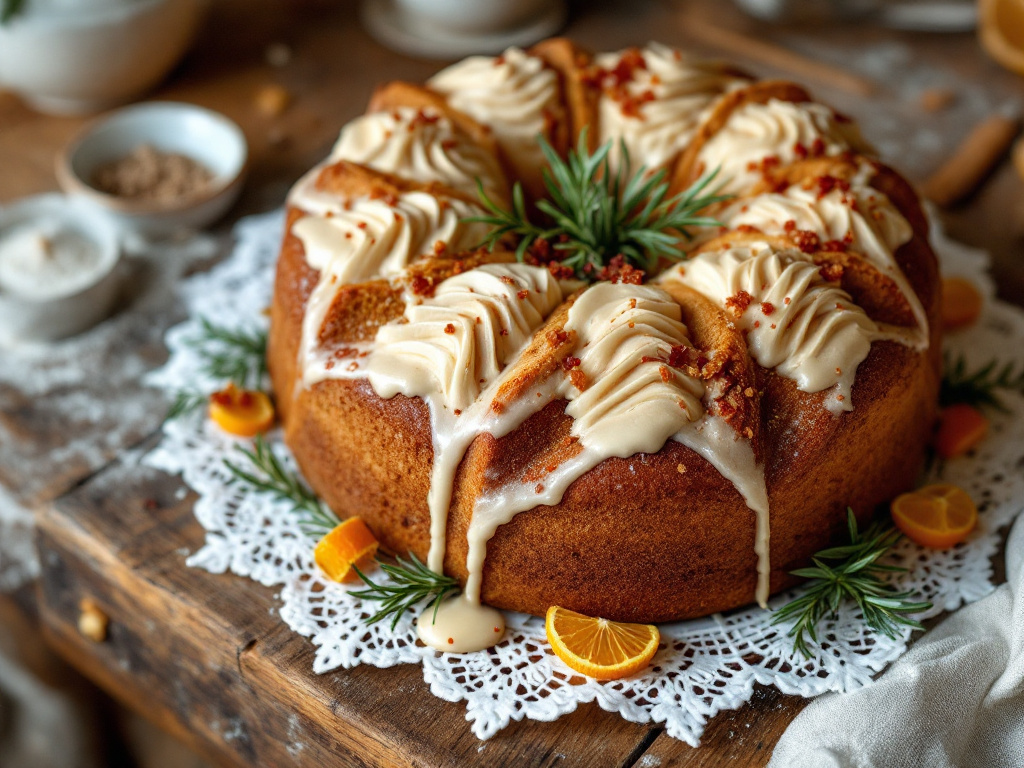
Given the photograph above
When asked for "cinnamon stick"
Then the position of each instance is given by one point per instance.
(769, 54)
(971, 162)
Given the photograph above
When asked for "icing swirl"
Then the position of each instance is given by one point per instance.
(796, 323)
(780, 130)
(512, 94)
(458, 340)
(626, 334)
(659, 108)
(858, 216)
(364, 238)
(423, 146)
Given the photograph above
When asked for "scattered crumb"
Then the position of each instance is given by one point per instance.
(273, 100)
(648, 761)
(278, 55)
(92, 622)
(680, 468)
(937, 99)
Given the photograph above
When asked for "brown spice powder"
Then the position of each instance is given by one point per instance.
(149, 174)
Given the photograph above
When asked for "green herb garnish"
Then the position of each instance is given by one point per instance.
(857, 575)
(413, 583)
(267, 475)
(231, 355)
(596, 216)
(979, 387)
(9, 9)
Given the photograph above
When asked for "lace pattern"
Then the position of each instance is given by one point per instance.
(705, 666)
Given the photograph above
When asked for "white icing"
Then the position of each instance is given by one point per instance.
(684, 91)
(423, 146)
(460, 625)
(758, 131)
(865, 217)
(511, 94)
(812, 332)
(366, 238)
(451, 345)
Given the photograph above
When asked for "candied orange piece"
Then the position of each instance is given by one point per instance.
(961, 427)
(598, 648)
(961, 303)
(350, 543)
(242, 412)
(937, 516)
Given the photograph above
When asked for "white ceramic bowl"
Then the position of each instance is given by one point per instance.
(473, 16)
(201, 134)
(71, 60)
(34, 319)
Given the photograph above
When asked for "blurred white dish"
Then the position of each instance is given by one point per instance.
(450, 29)
(62, 302)
(201, 134)
(68, 58)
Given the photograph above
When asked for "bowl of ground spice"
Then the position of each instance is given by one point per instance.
(159, 168)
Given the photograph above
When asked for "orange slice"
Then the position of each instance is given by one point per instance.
(598, 648)
(961, 302)
(936, 516)
(961, 427)
(1001, 29)
(242, 412)
(348, 544)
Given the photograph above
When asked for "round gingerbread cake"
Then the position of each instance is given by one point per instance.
(637, 444)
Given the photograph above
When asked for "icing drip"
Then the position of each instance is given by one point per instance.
(455, 342)
(423, 146)
(659, 108)
(366, 238)
(512, 94)
(805, 328)
(777, 130)
(860, 216)
(625, 333)
(450, 352)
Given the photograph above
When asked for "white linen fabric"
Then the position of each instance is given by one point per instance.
(707, 665)
(955, 700)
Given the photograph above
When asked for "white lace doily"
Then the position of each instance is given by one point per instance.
(705, 666)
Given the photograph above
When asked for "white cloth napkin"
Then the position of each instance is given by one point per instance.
(956, 699)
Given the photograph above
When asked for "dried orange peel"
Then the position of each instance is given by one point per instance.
(350, 543)
(598, 648)
(936, 516)
(241, 412)
(961, 302)
(961, 427)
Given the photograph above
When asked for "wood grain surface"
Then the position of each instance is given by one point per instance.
(205, 656)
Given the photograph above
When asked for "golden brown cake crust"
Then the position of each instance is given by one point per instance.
(654, 537)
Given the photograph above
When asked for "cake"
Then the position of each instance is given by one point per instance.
(641, 450)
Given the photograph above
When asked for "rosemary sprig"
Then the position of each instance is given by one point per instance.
(233, 355)
(228, 354)
(413, 582)
(266, 474)
(186, 401)
(978, 387)
(858, 576)
(597, 215)
(9, 9)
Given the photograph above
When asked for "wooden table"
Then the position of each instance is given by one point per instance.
(205, 656)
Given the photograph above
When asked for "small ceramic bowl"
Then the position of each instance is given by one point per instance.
(52, 315)
(205, 136)
(80, 57)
